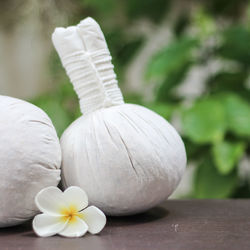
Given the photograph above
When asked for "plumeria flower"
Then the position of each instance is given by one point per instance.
(66, 213)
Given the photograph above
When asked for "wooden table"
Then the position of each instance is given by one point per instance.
(176, 224)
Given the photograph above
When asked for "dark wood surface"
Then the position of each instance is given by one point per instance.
(193, 224)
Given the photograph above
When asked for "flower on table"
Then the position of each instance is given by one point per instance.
(66, 213)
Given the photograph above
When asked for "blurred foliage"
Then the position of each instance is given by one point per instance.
(171, 58)
(154, 10)
(215, 124)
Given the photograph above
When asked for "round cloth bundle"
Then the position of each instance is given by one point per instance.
(30, 158)
(126, 157)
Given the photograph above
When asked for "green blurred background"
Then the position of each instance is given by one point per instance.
(189, 61)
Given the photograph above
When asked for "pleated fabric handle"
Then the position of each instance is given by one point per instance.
(86, 58)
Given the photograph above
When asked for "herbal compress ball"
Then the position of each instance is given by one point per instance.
(30, 158)
(126, 157)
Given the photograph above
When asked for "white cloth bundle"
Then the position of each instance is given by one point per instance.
(126, 157)
(86, 58)
(30, 158)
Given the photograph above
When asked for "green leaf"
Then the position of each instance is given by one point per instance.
(60, 118)
(194, 150)
(122, 52)
(210, 184)
(230, 9)
(173, 79)
(238, 114)
(228, 81)
(226, 155)
(104, 7)
(163, 109)
(171, 58)
(204, 24)
(153, 9)
(133, 98)
(204, 122)
(236, 44)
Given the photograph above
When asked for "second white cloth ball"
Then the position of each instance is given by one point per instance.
(30, 158)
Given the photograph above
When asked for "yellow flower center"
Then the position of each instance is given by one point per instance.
(70, 214)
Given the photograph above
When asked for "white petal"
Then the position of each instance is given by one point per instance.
(50, 200)
(75, 229)
(94, 218)
(46, 225)
(77, 197)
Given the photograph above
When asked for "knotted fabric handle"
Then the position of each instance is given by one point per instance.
(86, 58)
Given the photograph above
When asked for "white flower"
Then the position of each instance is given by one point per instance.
(66, 213)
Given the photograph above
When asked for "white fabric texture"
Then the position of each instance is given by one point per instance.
(126, 157)
(86, 58)
(30, 158)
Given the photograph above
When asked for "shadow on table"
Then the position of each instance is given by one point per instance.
(25, 227)
(153, 214)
